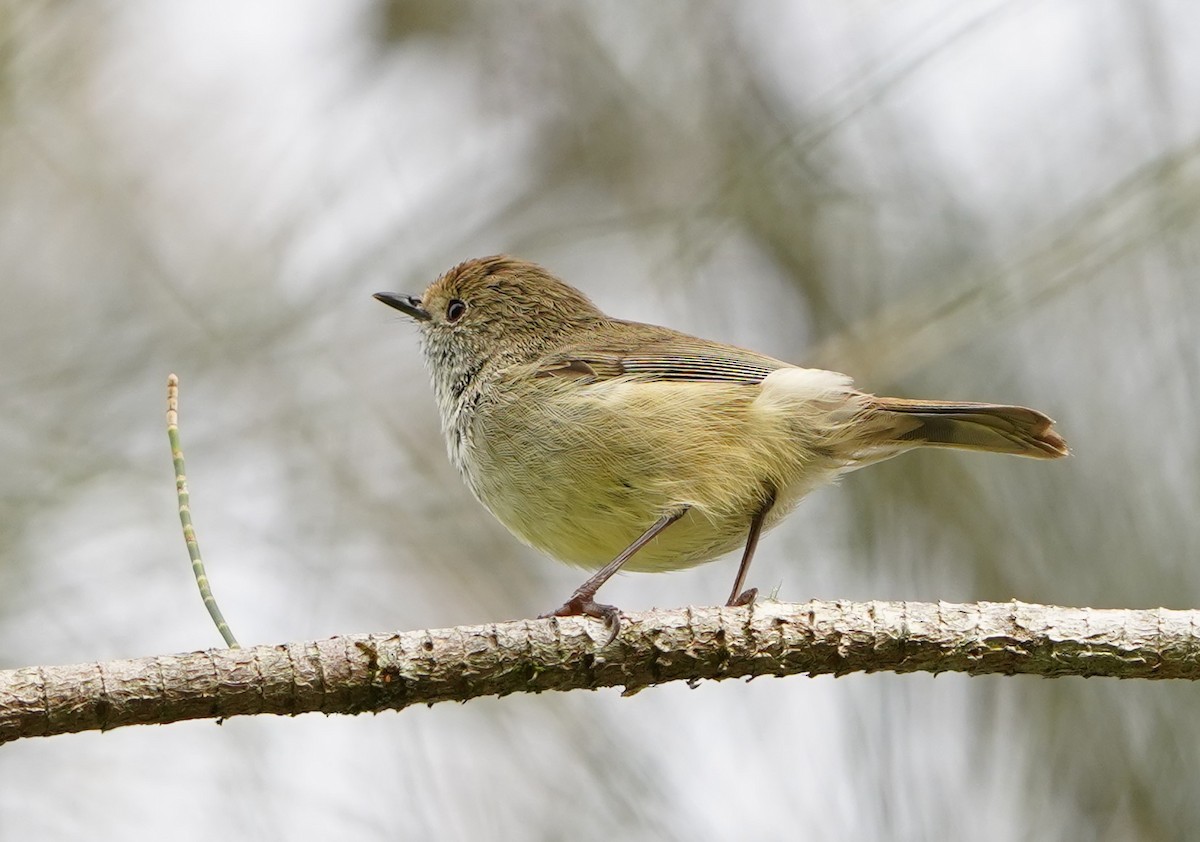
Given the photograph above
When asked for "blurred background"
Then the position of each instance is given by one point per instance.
(980, 201)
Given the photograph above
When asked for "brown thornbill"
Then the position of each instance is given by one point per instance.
(611, 444)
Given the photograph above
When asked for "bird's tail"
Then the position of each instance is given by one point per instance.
(968, 426)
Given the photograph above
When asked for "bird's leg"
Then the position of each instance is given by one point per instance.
(583, 601)
(738, 596)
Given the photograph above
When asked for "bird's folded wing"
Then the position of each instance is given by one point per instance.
(651, 353)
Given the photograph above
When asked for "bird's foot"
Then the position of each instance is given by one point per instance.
(582, 605)
(746, 597)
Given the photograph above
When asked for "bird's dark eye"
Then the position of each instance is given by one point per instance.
(455, 310)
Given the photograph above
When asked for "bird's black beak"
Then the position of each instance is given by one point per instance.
(410, 305)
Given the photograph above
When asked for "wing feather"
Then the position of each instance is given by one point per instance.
(655, 353)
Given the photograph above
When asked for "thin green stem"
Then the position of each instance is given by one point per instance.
(185, 515)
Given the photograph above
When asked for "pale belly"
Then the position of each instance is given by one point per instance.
(581, 475)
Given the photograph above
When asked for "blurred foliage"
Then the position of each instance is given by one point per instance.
(992, 201)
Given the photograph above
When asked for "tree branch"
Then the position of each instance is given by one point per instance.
(358, 673)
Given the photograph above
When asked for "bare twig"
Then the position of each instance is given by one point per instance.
(185, 515)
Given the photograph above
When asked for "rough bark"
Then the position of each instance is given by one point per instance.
(358, 673)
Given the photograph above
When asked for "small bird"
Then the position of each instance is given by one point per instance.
(610, 444)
